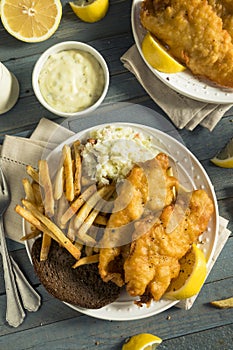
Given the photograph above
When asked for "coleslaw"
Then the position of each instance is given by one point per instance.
(114, 152)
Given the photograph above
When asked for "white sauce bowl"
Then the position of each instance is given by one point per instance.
(69, 45)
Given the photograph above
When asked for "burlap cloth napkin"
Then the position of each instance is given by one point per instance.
(183, 111)
(17, 152)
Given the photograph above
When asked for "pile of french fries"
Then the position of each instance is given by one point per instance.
(68, 209)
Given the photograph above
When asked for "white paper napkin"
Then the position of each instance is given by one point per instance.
(183, 111)
(17, 152)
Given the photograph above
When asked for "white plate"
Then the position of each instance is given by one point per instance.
(192, 175)
(184, 82)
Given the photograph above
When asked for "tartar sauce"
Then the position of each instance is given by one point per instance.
(71, 80)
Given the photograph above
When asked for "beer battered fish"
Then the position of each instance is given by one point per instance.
(159, 244)
(194, 34)
(147, 187)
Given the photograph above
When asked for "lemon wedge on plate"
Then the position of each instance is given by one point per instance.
(158, 57)
(224, 158)
(193, 272)
(31, 21)
(90, 10)
(142, 341)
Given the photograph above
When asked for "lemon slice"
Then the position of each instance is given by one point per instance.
(157, 56)
(90, 10)
(192, 275)
(29, 20)
(224, 158)
(143, 341)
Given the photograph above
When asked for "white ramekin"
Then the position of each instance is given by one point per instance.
(69, 45)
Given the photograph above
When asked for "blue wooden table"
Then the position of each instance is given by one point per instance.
(56, 326)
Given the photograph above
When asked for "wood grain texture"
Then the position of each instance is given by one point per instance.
(55, 325)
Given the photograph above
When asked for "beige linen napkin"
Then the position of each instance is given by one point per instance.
(183, 111)
(18, 152)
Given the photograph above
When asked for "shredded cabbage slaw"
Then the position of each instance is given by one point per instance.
(115, 152)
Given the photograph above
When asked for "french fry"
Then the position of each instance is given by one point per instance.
(37, 195)
(67, 192)
(68, 169)
(32, 173)
(71, 231)
(56, 231)
(78, 245)
(102, 218)
(29, 217)
(61, 207)
(96, 249)
(90, 204)
(86, 239)
(82, 232)
(45, 181)
(87, 224)
(86, 260)
(29, 193)
(35, 233)
(88, 250)
(59, 183)
(78, 168)
(45, 247)
(76, 205)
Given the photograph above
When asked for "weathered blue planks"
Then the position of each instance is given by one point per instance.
(55, 326)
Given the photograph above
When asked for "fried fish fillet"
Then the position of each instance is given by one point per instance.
(147, 187)
(194, 34)
(128, 206)
(224, 9)
(159, 244)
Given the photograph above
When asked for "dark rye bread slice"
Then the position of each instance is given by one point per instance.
(81, 286)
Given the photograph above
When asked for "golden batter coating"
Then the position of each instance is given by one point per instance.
(194, 33)
(161, 242)
(148, 187)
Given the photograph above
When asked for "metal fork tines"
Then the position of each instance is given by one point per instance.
(31, 300)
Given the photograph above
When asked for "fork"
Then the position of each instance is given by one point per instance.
(31, 300)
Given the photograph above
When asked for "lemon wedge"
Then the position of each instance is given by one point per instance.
(192, 275)
(90, 10)
(142, 341)
(29, 20)
(157, 56)
(224, 158)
